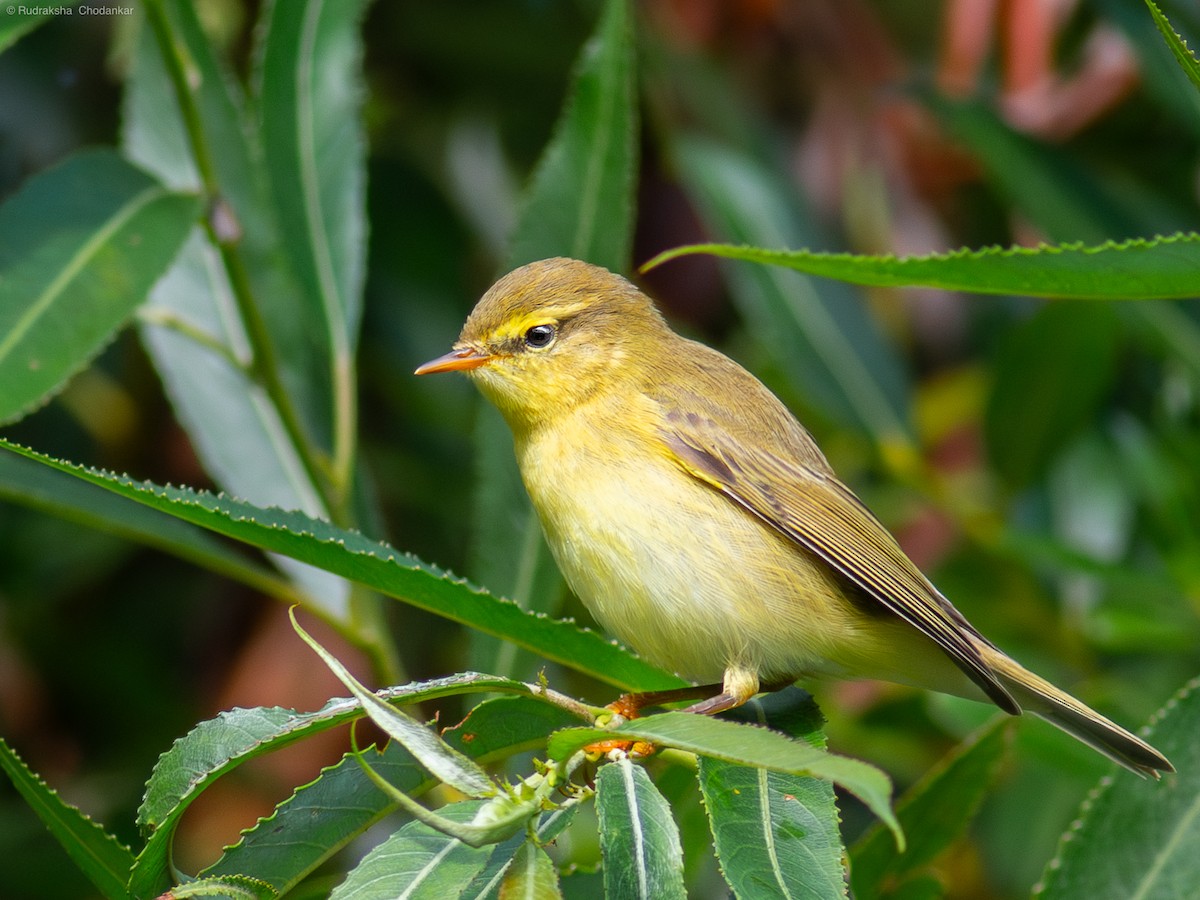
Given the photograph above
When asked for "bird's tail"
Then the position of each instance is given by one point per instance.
(1041, 698)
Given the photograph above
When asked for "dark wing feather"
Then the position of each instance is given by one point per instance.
(821, 515)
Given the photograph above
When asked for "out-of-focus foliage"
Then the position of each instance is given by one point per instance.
(1040, 458)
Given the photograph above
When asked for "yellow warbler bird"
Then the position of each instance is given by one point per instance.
(701, 524)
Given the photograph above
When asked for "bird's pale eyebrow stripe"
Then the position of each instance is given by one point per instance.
(548, 316)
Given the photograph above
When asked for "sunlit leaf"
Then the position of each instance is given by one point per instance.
(1134, 269)
(742, 744)
(442, 760)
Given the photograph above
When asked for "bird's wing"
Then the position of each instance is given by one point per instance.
(821, 515)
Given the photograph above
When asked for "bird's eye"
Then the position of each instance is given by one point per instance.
(539, 336)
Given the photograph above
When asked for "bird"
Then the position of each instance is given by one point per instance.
(700, 523)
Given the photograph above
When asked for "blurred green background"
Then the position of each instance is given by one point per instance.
(1040, 460)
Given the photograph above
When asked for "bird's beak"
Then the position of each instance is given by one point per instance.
(455, 361)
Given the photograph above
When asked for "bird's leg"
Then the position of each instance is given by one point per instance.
(630, 706)
(739, 686)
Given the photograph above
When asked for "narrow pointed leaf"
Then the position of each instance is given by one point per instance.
(638, 836)
(1179, 47)
(743, 744)
(532, 876)
(934, 813)
(311, 95)
(442, 760)
(776, 834)
(417, 863)
(486, 885)
(310, 102)
(396, 574)
(81, 245)
(101, 857)
(320, 819)
(1163, 267)
(1137, 839)
(580, 201)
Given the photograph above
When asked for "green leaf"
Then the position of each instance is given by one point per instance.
(506, 725)
(1051, 376)
(776, 834)
(81, 245)
(443, 761)
(638, 836)
(935, 812)
(226, 887)
(311, 96)
(217, 746)
(38, 487)
(580, 200)
(101, 857)
(321, 818)
(418, 862)
(819, 334)
(385, 569)
(1165, 84)
(1135, 269)
(486, 885)
(742, 744)
(1179, 47)
(532, 876)
(1136, 838)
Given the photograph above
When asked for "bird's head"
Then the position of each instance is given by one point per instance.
(551, 334)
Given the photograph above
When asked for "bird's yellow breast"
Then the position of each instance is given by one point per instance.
(667, 564)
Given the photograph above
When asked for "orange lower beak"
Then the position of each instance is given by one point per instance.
(455, 361)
